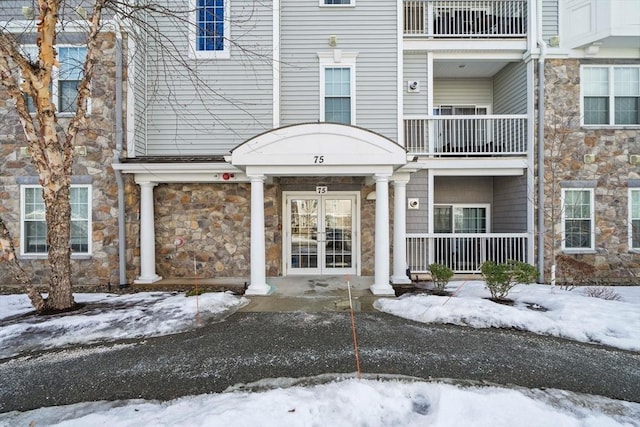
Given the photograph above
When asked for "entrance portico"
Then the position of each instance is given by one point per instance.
(326, 150)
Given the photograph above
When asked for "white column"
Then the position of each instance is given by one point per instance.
(147, 235)
(258, 284)
(381, 284)
(400, 230)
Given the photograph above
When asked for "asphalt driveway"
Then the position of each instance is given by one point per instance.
(249, 346)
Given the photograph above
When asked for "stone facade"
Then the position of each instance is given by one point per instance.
(566, 144)
(101, 267)
(211, 223)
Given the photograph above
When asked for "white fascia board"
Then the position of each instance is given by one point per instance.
(483, 167)
(181, 172)
(465, 45)
(319, 171)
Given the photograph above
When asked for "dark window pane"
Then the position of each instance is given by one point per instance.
(596, 110)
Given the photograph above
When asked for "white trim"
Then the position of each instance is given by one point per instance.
(338, 59)
(38, 255)
(591, 219)
(194, 53)
(276, 63)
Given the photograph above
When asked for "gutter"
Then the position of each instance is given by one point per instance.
(541, 114)
(122, 268)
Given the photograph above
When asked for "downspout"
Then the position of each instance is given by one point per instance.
(541, 114)
(116, 159)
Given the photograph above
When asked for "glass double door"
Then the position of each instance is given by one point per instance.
(321, 234)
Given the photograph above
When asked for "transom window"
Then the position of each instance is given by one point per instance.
(34, 224)
(209, 32)
(634, 218)
(337, 2)
(611, 95)
(578, 219)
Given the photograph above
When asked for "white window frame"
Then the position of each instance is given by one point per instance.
(194, 53)
(631, 218)
(352, 3)
(55, 72)
(338, 59)
(592, 219)
(23, 243)
(611, 95)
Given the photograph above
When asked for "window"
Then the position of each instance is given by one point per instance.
(611, 95)
(337, 95)
(337, 86)
(34, 225)
(460, 219)
(66, 77)
(71, 60)
(634, 219)
(209, 30)
(337, 2)
(577, 221)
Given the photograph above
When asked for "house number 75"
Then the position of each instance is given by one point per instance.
(318, 159)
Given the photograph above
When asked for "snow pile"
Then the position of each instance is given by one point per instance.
(348, 403)
(537, 308)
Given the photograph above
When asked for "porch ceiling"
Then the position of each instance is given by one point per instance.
(319, 149)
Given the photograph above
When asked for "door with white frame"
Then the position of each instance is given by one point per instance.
(464, 250)
(321, 232)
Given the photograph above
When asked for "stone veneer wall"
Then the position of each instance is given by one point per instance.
(214, 220)
(565, 148)
(99, 139)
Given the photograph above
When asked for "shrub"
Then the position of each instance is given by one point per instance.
(500, 278)
(440, 274)
(602, 292)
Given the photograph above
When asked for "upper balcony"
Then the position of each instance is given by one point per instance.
(467, 136)
(475, 20)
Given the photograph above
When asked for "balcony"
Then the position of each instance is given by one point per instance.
(481, 19)
(486, 135)
(464, 253)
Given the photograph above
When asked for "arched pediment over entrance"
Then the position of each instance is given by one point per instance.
(335, 148)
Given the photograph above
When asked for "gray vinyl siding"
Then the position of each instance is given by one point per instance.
(509, 213)
(368, 29)
(462, 189)
(418, 188)
(550, 19)
(139, 95)
(415, 68)
(209, 106)
(462, 92)
(510, 89)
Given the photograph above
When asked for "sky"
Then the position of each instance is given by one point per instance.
(339, 400)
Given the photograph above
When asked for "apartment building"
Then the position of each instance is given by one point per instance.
(362, 137)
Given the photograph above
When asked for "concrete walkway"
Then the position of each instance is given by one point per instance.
(313, 294)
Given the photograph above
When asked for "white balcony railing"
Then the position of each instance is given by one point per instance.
(465, 18)
(490, 135)
(464, 253)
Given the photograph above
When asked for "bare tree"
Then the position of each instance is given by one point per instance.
(50, 142)
(50, 148)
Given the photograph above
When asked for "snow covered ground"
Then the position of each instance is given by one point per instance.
(339, 401)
